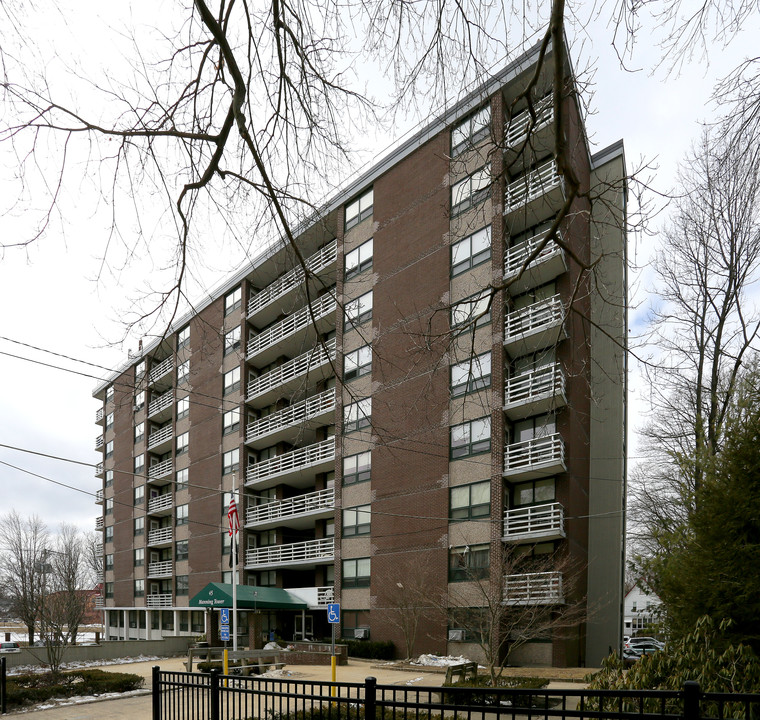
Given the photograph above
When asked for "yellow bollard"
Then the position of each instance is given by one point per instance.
(332, 667)
(226, 664)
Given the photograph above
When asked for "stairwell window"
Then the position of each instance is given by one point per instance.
(359, 260)
(357, 363)
(139, 588)
(139, 526)
(470, 502)
(232, 381)
(139, 431)
(232, 340)
(472, 190)
(356, 573)
(356, 521)
(357, 468)
(359, 209)
(471, 130)
(233, 300)
(183, 441)
(471, 375)
(183, 407)
(231, 461)
(358, 310)
(109, 449)
(471, 251)
(357, 415)
(231, 421)
(182, 515)
(183, 372)
(473, 311)
(470, 438)
(183, 337)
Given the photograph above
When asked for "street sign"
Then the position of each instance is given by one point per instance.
(224, 616)
(333, 613)
(224, 633)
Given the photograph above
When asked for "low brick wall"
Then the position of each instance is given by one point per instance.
(315, 654)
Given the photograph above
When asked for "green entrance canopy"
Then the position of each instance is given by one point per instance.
(219, 595)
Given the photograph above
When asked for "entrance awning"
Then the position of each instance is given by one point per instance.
(219, 595)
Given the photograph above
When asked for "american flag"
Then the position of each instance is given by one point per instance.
(232, 516)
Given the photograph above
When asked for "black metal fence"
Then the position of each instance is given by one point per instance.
(3, 699)
(193, 696)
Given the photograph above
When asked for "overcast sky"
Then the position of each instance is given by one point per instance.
(51, 298)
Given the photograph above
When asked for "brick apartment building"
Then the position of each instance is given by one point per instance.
(389, 422)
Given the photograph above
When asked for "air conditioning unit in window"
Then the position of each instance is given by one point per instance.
(456, 635)
(361, 633)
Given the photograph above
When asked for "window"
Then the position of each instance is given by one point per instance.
(231, 421)
(474, 310)
(471, 130)
(468, 624)
(471, 375)
(540, 426)
(181, 479)
(359, 209)
(470, 502)
(182, 442)
(471, 251)
(358, 311)
(357, 363)
(139, 557)
(109, 449)
(109, 561)
(139, 526)
(232, 340)
(356, 521)
(231, 461)
(181, 515)
(357, 468)
(109, 393)
(109, 478)
(469, 192)
(108, 534)
(109, 506)
(231, 381)
(182, 584)
(140, 369)
(534, 492)
(139, 431)
(109, 590)
(357, 415)
(139, 588)
(470, 438)
(356, 573)
(233, 300)
(139, 400)
(183, 337)
(469, 563)
(139, 463)
(359, 260)
(183, 372)
(180, 552)
(139, 495)
(109, 421)
(183, 407)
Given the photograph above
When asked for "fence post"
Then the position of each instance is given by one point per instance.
(691, 700)
(4, 703)
(370, 698)
(155, 692)
(214, 699)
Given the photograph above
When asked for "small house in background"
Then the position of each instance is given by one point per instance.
(640, 608)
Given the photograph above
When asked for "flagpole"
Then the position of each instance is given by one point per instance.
(234, 577)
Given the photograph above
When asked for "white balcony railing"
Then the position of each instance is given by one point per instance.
(99, 523)
(99, 415)
(292, 415)
(161, 403)
(516, 256)
(99, 442)
(540, 451)
(98, 496)
(301, 365)
(531, 185)
(158, 600)
(162, 502)
(533, 318)
(160, 569)
(161, 535)
(160, 436)
(323, 549)
(315, 264)
(292, 324)
(100, 602)
(544, 588)
(164, 367)
(541, 382)
(98, 548)
(516, 130)
(536, 521)
(160, 469)
(299, 505)
(99, 468)
(293, 461)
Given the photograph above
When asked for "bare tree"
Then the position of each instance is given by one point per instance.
(24, 547)
(408, 605)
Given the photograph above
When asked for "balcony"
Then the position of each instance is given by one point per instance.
(308, 368)
(287, 285)
(160, 569)
(548, 264)
(160, 375)
(99, 497)
(99, 470)
(160, 441)
(160, 408)
(543, 588)
(99, 440)
(533, 197)
(100, 415)
(306, 554)
(158, 600)
(298, 465)
(534, 327)
(290, 334)
(99, 522)
(160, 470)
(314, 597)
(535, 392)
(161, 505)
(535, 458)
(100, 602)
(99, 548)
(537, 522)
(159, 537)
(541, 131)
(296, 512)
(291, 422)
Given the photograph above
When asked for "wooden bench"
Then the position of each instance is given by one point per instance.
(461, 672)
(261, 659)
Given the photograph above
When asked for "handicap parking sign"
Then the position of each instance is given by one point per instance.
(333, 613)
(225, 616)
(224, 633)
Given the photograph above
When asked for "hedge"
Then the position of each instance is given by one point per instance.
(370, 649)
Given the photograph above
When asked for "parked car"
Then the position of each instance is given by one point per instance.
(10, 647)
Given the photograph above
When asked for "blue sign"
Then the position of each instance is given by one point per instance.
(224, 633)
(224, 616)
(333, 613)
